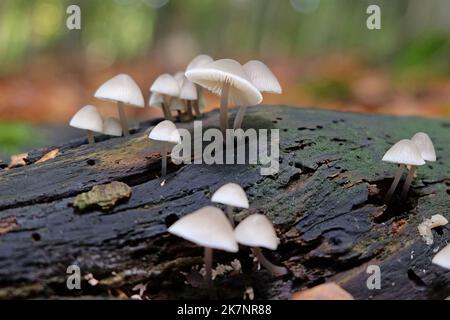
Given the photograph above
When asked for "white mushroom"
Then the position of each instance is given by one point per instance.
(257, 231)
(199, 61)
(206, 227)
(112, 127)
(88, 118)
(121, 89)
(188, 93)
(263, 79)
(404, 152)
(425, 146)
(231, 195)
(228, 79)
(168, 87)
(166, 132)
(442, 258)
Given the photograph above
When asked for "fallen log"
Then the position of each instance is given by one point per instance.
(326, 202)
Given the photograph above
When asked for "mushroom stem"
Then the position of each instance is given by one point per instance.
(166, 109)
(189, 109)
(224, 107)
(229, 211)
(123, 119)
(208, 266)
(196, 109)
(408, 181)
(199, 99)
(90, 137)
(276, 270)
(239, 117)
(164, 160)
(394, 184)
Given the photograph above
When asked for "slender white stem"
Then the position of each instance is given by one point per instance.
(276, 270)
(239, 117)
(408, 181)
(208, 266)
(394, 184)
(164, 160)
(90, 136)
(229, 211)
(123, 118)
(224, 107)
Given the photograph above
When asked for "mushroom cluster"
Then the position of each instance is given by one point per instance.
(409, 153)
(209, 227)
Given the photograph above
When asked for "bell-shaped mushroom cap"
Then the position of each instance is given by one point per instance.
(166, 84)
(121, 88)
(404, 152)
(177, 104)
(213, 75)
(199, 61)
(442, 258)
(179, 76)
(87, 118)
(207, 227)
(188, 91)
(112, 127)
(165, 131)
(231, 194)
(257, 231)
(156, 100)
(262, 78)
(425, 146)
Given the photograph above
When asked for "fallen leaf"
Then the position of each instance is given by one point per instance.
(18, 160)
(425, 227)
(7, 224)
(326, 291)
(48, 156)
(104, 196)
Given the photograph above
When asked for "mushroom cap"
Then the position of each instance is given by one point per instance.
(166, 84)
(165, 131)
(177, 104)
(231, 194)
(87, 118)
(188, 91)
(257, 231)
(121, 88)
(207, 227)
(213, 75)
(425, 146)
(442, 258)
(179, 76)
(112, 127)
(199, 61)
(404, 152)
(262, 77)
(156, 100)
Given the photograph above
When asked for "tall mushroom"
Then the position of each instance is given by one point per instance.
(256, 231)
(88, 118)
(263, 79)
(168, 134)
(199, 61)
(168, 87)
(121, 89)
(231, 195)
(228, 79)
(404, 152)
(112, 127)
(206, 227)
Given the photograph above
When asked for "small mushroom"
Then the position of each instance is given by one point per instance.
(188, 93)
(257, 231)
(228, 79)
(167, 133)
(121, 89)
(425, 146)
(88, 118)
(168, 87)
(156, 100)
(112, 127)
(263, 79)
(206, 227)
(442, 258)
(404, 152)
(231, 195)
(199, 61)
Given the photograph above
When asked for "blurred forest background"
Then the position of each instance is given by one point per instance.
(321, 50)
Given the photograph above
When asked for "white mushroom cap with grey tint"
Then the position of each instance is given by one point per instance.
(231, 194)
(213, 75)
(156, 100)
(206, 227)
(404, 152)
(166, 84)
(442, 258)
(165, 131)
(188, 91)
(121, 88)
(87, 118)
(425, 146)
(112, 127)
(199, 61)
(257, 231)
(179, 76)
(261, 76)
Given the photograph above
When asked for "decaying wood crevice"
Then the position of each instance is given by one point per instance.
(326, 202)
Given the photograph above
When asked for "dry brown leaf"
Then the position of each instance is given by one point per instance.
(7, 224)
(326, 291)
(49, 155)
(18, 160)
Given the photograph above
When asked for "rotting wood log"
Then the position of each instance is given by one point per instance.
(326, 202)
